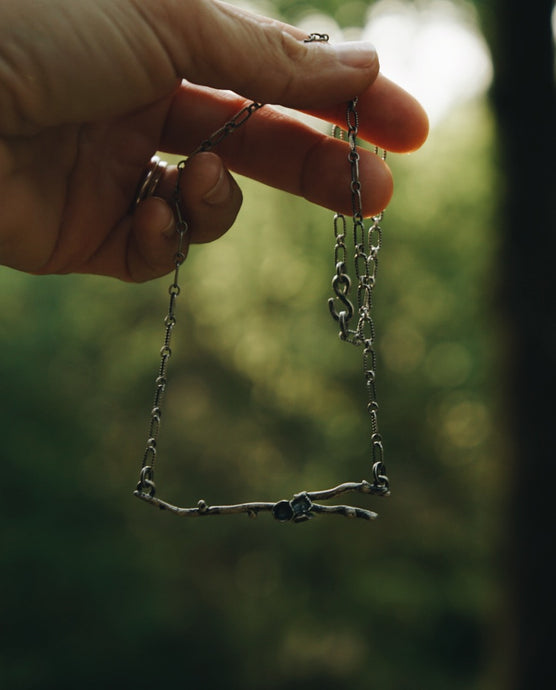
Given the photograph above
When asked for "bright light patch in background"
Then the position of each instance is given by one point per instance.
(434, 50)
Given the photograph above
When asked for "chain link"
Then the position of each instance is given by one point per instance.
(366, 246)
(239, 119)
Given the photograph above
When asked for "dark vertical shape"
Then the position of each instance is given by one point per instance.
(524, 98)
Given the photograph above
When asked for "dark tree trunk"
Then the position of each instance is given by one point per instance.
(524, 98)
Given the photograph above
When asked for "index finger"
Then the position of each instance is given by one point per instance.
(266, 60)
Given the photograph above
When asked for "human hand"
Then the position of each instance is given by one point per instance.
(89, 91)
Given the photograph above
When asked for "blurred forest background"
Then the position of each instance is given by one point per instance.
(98, 589)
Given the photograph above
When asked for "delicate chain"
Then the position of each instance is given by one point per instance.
(146, 483)
(227, 129)
(366, 246)
(301, 507)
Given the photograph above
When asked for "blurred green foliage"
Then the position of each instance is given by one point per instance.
(99, 589)
(350, 13)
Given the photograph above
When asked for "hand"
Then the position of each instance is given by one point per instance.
(89, 91)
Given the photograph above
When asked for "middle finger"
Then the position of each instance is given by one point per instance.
(276, 149)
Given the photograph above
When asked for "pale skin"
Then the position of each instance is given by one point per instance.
(91, 89)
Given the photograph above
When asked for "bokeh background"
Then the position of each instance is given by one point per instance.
(100, 590)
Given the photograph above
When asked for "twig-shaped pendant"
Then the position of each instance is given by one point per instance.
(299, 509)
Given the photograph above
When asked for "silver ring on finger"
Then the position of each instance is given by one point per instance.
(147, 186)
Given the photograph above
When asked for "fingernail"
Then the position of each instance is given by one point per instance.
(221, 190)
(359, 54)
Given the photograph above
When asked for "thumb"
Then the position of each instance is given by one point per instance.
(218, 45)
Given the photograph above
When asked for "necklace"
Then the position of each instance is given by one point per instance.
(366, 244)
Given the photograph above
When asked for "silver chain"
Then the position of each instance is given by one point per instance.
(227, 129)
(366, 246)
(146, 485)
(301, 507)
